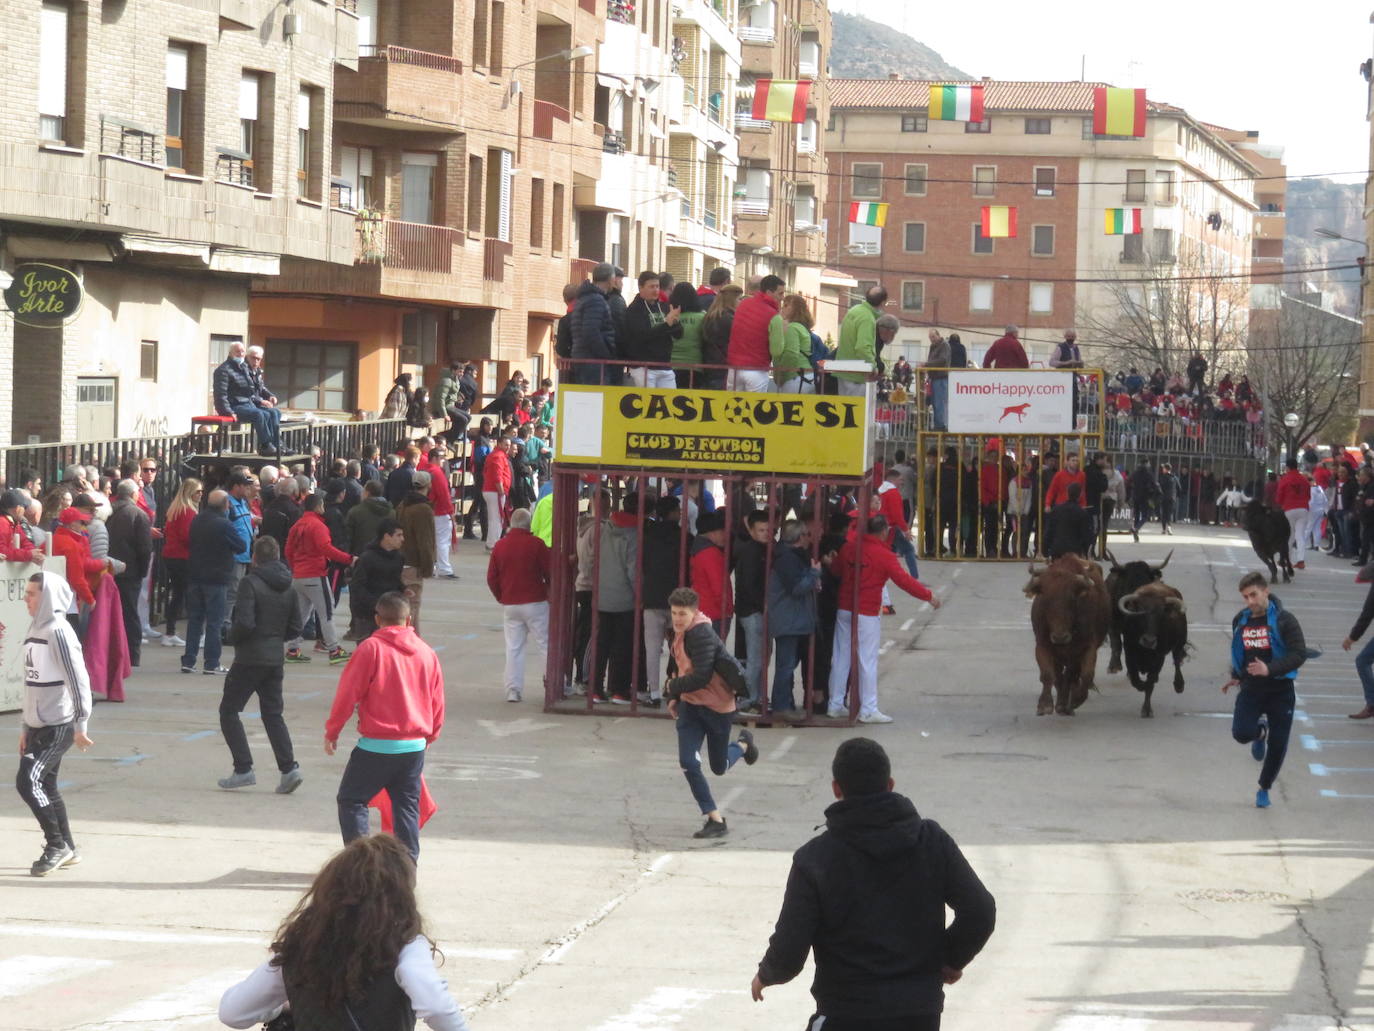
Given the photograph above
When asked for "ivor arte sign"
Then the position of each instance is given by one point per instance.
(44, 296)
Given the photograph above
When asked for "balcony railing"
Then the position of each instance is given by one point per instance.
(494, 255)
(710, 220)
(581, 269)
(405, 245)
(545, 114)
(233, 166)
(751, 206)
(748, 121)
(417, 58)
(806, 144)
(750, 34)
(808, 68)
(613, 143)
(126, 140)
(348, 5)
(715, 108)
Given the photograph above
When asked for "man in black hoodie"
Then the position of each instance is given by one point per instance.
(650, 329)
(869, 897)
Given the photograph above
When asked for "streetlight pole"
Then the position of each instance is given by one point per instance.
(1290, 423)
(515, 90)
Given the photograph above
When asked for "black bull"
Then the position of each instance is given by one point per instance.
(1149, 622)
(1269, 532)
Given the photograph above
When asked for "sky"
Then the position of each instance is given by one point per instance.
(1257, 65)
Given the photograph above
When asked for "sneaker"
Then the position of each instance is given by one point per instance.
(290, 781)
(751, 750)
(599, 698)
(837, 714)
(319, 647)
(187, 669)
(294, 655)
(172, 641)
(149, 634)
(712, 829)
(513, 694)
(652, 703)
(620, 699)
(875, 717)
(337, 656)
(1257, 745)
(448, 576)
(74, 859)
(1135, 535)
(238, 780)
(53, 858)
(218, 671)
(1262, 799)
(888, 610)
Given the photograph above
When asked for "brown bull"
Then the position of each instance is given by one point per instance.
(1070, 612)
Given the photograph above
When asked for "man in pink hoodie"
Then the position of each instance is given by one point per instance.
(395, 684)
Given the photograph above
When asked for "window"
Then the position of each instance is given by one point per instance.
(1132, 249)
(913, 295)
(1037, 126)
(1164, 187)
(318, 374)
(914, 238)
(53, 27)
(980, 297)
(1135, 184)
(419, 174)
(178, 65)
(1044, 182)
(808, 57)
(804, 214)
(807, 134)
(497, 46)
(498, 198)
(914, 123)
(984, 180)
(1041, 298)
(981, 244)
(558, 218)
(355, 168)
(147, 360)
(1163, 240)
(537, 213)
(475, 184)
(309, 145)
(367, 28)
(250, 100)
(481, 8)
(1042, 241)
(984, 126)
(867, 180)
(916, 180)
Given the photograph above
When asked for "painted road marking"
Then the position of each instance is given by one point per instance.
(783, 748)
(1318, 770)
(198, 1000)
(505, 728)
(1328, 793)
(663, 1007)
(731, 797)
(1101, 1022)
(908, 625)
(886, 645)
(20, 974)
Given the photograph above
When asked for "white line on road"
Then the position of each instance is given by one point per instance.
(908, 625)
(194, 1000)
(886, 646)
(783, 748)
(1101, 1022)
(731, 797)
(21, 974)
(662, 1008)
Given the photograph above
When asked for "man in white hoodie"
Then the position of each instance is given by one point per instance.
(57, 704)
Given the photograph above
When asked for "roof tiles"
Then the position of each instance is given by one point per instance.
(908, 94)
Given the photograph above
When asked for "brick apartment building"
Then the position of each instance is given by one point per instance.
(1035, 151)
(163, 153)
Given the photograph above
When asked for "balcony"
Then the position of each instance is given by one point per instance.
(751, 206)
(745, 121)
(495, 254)
(750, 34)
(406, 245)
(545, 114)
(399, 88)
(1270, 225)
(805, 68)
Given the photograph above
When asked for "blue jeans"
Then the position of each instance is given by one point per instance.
(788, 651)
(906, 551)
(1276, 703)
(204, 614)
(756, 665)
(1364, 666)
(695, 724)
(264, 420)
(939, 401)
(370, 772)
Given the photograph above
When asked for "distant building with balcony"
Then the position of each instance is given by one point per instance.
(1034, 150)
(464, 135)
(163, 153)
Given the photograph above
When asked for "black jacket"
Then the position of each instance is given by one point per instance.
(958, 355)
(749, 558)
(213, 547)
(1366, 614)
(703, 647)
(615, 301)
(1068, 528)
(715, 338)
(661, 565)
(1168, 486)
(131, 539)
(648, 338)
(265, 616)
(376, 572)
(869, 896)
(467, 391)
(234, 384)
(278, 517)
(398, 483)
(591, 324)
(1095, 482)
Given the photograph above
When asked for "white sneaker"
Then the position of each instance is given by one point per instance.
(836, 714)
(149, 634)
(513, 695)
(172, 641)
(875, 717)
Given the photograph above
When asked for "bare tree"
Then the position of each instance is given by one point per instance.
(1304, 363)
(1166, 309)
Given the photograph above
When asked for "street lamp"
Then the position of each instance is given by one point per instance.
(1331, 234)
(1290, 423)
(559, 55)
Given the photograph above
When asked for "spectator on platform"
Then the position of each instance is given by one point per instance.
(716, 327)
(518, 577)
(651, 328)
(859, 341)
(716, 280)
(792, 359)
(687, 348)
(397, 401)
(1006, 352)
(938, 358)
(755, 333)
(593, 330)
(239, 391)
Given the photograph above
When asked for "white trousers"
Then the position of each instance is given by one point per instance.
(494, 529)
(1314, 528)
(656, 634)
(753, 381)
(145, 590)
(520, 622)
(1297, 537)
(443, 541)
(870, 630)
(654, 378)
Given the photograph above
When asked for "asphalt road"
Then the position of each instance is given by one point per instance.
(1137, 886)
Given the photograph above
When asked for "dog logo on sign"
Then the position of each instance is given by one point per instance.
(1017, 410)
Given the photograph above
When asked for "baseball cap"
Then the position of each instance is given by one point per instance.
(240, 479)
(74, 515)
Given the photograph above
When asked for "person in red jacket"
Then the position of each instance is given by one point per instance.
(1006, 352)
(1293, 494)
(496, 482)
(395, 684)
(518, 575)
(15, 543)
(69, 540)
(176, 553)
(1059, 486)
(878, 566)
(309, 552)
(441, 500)
(757, 324)
(707, 570)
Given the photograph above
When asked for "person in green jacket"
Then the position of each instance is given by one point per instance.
(687, 348)
(792, 361)
(859, 340)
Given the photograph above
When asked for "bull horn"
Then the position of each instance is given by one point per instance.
(1160, 568)
(1124, 607)
(1106, 553)
(1176, 603)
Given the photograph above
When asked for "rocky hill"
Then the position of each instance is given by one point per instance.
(865, 49)
(1314, 204)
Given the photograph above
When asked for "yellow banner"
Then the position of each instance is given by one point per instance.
(784, 434)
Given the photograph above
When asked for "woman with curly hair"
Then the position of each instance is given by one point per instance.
(353, 953)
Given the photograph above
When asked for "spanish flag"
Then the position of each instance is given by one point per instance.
(1123, 221)
(956, 103)
(868, 213)
(999, 221)
(779, 101)
(1118, 112)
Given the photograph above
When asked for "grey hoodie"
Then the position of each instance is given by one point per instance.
(56, 687)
